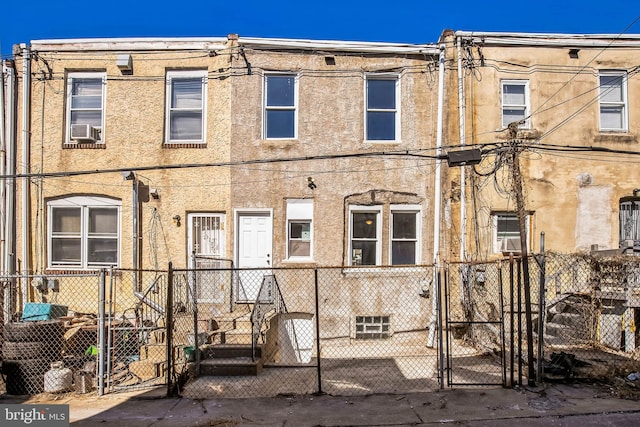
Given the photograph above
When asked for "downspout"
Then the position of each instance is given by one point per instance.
(9, 187)
(3, 172)
(463, 169)
(26, 166)
(437, 202)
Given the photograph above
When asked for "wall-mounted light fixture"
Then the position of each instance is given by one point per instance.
(310, 183)
(154, 193)
(125, 63)
(573, 53)
(128, 175)
(176, 220)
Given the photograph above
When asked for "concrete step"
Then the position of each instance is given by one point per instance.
(237, 366)
(236, 336)
(228, 351)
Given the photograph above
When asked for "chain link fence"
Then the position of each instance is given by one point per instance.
(218, 331)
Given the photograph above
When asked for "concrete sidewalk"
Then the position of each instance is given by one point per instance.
(558, 405)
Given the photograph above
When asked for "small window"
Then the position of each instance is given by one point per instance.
(613, 101)
(365, 236)
(186, 106)
(506, 232)
(85, 107)
(280, 112)
(382, 118)
(515, 102)
(84, 232)
(404, 236)
(372, 327)
(299, 229)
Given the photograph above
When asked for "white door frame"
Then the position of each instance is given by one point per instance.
(240, 212)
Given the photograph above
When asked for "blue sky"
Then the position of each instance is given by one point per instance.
(410, 21)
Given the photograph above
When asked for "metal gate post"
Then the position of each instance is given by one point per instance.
(169, 326)
(440, 331)
(319, 358)
(101, 324)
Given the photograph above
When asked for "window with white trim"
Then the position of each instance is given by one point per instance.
(186, 106)
(85, 106)
(83, 232)
(280, 106)
(613, 100)
(365, 235)
(299, 229)
(515, 102)
(405, 234)
(382, 107)
(506, 232)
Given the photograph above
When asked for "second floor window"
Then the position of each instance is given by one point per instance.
(280, 113)
(515, 102)
(186, 106)
(382, 118)
(85, 107)
(613, 101)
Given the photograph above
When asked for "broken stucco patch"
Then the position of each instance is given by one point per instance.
(593, 217)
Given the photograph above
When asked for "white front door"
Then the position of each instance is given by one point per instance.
(254, 236)
(206, 243)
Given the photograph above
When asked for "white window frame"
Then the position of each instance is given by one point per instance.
(266, 108)
(84, 203)
(85, 75)
(185, 74)
(299, 211)
(497, 240)
(378, 239)
(417, 210)
(396, 110)
(526, 106)
(622, 104)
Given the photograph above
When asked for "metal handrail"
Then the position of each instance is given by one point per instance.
(269, 299)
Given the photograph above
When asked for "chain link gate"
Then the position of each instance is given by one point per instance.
(473, 335)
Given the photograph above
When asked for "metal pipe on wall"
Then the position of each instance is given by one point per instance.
(26, 166)
(9, 186)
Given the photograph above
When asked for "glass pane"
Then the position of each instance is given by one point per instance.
(86, 102)
(186, 93)
(363, 252)
(299, 230)
(510, 115)
(102, 251)
(513, 94)
(86, 86)
(611, 88)
(299, 248)
(364, 225)
(381, 94)
(381, 125)
(508, 224)
(66, 220)
(280, 91)
(404, 225)
(611, 118)
(186, 125)
(91, 117)
(280, 123)
(403, 252)
(103, 221)
(65, 251)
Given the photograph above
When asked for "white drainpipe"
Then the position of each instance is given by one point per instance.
(26, 155)
(9, 186)
(437, 203)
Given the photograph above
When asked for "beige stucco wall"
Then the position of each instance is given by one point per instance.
(574, 196)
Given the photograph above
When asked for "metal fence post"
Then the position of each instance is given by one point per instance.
(101, 324)
(541, 310)
(169, 326)
(319, 358)
(440, 331)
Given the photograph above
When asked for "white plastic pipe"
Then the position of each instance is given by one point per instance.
(26, 165)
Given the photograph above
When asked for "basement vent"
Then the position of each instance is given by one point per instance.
(372, 327)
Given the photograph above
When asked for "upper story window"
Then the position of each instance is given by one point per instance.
(186, 106)
(280, 106)
(405, 234)
(299, 229)
(515, 102)
(382, 112)
(83, 232)
(506, 232)
(85, 107)
(613, 100)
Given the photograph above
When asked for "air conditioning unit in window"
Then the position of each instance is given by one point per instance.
(511, 245)
(84, 133)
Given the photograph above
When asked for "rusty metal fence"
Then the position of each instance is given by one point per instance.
(218, 331)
